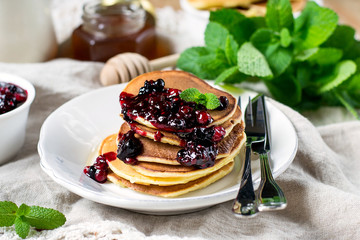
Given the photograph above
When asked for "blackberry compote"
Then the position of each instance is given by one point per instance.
(129, 147)
(11, 96)
(163, 108)
(99, 170)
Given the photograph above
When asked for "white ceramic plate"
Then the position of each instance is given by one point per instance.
(72, 133)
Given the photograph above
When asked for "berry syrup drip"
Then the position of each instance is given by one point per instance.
(157, 136)
(129, 147)
(11, 96)
(165, 110)
(99, 170)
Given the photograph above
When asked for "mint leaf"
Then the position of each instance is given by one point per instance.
(23, 210)
(252, 62)
(7, 213)
(212, 101)
(44, 218)
(190, 94)
(237, 24)
(228, 73)
(285, 37)
(280, 60)
(231, 48)
(215, 35)
(279, 15)
(203, 62)
(326, 56)
(347, 105)
(342, 72)
(209, 100)
(286, 89)
(22, 227)
(306, 54)
(262, 38)
(342, 38)
(201, 99)
(314, 26)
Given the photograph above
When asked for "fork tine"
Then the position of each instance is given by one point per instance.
(239, 101)
(249, 114)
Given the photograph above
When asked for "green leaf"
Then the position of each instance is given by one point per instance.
(203, 62)
(342, 38)
(347, 105)
(23, 210)
(22, 227)
(190, 94)
(279, 15)
(314, 26)
(44, 218)
(252, 62)
(285, 38)
(212, 101)
(226, 17)
(262, 38)
(226, 74)
(342, 72)
(306, 54)
(279, 60)
(237, 24)
(285, 89)
(215, 35)
(7, 213)
(326, 56)
(231, 48)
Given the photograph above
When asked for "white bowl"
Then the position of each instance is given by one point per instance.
(13, 123)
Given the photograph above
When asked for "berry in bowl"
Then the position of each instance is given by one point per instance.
(16, 96)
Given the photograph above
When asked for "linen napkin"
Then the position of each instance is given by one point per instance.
(322, 184)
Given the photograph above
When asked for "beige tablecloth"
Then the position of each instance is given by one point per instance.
(322, 184)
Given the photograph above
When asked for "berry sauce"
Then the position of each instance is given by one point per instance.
(11, 96)
(129, 147)
(158, 135)
(166, 111)
(99, 170)
(163, 108)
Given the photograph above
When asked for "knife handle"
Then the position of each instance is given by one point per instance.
(245, 203)
(269, 194)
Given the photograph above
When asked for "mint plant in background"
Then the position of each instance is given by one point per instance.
(25, 216)
(305, 62)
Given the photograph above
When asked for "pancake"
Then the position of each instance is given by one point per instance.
(162, 170)
(158, 152)
(208, 4)
(182, 80)
(173, 139)
(181, 174)
(164, 175)
(249, 8)
(174, 190)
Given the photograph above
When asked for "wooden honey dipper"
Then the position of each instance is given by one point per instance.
(126, 66)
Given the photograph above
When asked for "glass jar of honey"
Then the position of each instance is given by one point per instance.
(111, 27)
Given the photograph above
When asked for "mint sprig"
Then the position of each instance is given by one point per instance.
(305, 62)
(25, 216)
(209, 100)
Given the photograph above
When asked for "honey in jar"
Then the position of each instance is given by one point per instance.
(110, 28)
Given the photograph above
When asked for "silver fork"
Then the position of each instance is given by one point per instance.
(269, 195)
(245, 203)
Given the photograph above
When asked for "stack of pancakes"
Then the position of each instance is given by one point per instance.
(157, 171)
(249, 8)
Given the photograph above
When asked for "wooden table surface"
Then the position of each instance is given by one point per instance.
(348, 10)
